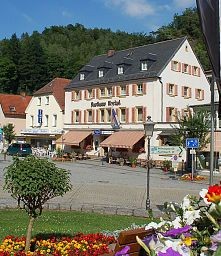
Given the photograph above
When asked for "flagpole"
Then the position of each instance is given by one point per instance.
(212, 130)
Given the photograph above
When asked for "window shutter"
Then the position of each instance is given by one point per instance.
(97, 116)
(93, 93)
(98, 93)
(175, 116)
(190, 92)
(198, 72)
(144, 114)
(80, 116)
(134, 89)
(127, 90)
(196, 95)
(144, 87)
(167, 88)
(168, 117)
(183, 67)
(93, 116)
(192, 70)
(202, 94)
(172, 68)
(127, 115)
(176, 89)
(182, 91)
(81, 92)
(85, 116)
(72, 95)
(85, 94)
(179, 65)
(133, 115)
(72, 117)
(113, 91)
(118, 91)
(189, 69)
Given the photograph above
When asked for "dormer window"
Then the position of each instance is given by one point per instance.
(100, 73)
(120, 70)
(12, 109)
(82, 76)
(144, 65)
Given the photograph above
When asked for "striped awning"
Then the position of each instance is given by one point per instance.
(73, 137)
(123, 139)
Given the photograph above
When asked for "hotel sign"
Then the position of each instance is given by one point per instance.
(109, 103)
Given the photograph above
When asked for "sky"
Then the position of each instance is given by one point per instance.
(132, 16)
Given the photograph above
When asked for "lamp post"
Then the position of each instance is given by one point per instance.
(148, 128)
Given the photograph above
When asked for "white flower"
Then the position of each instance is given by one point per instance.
(186, 203)
(177, 222)
(190, 216)
(203, 193)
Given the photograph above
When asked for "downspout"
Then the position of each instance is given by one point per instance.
(160, 80)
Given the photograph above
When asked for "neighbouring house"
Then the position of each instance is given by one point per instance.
(45, 115)
(12, 110)
(108, 101)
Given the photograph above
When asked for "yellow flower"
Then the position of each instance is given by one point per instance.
(188, 240)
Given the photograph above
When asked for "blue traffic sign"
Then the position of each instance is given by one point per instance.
(192, 142)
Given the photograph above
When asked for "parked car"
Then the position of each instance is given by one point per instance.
(19, 149)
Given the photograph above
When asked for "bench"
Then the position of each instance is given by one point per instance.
(128, 238)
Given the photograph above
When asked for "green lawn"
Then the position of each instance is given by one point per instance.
(14, 222)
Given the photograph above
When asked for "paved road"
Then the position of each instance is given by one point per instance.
(101, 187)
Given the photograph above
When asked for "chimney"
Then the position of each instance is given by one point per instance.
(23, 94)
(110, 53)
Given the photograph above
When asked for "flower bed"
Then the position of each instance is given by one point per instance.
(189, 177)
(82, 245)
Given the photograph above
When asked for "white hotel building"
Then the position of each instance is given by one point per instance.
(158, 80)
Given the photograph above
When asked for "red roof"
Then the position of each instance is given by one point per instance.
(56, 88)
(14, 105)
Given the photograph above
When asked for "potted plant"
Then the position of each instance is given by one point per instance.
(133, 161)
(166, 165)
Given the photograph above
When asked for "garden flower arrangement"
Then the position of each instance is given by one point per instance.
(82, 245)
(189, 229)
(189, 177)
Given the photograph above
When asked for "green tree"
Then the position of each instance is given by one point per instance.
(193, 125)
(32, 182)
(9, 133)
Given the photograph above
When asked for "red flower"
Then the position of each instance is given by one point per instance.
(214, 194)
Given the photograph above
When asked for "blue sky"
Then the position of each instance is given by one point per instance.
(18, 16)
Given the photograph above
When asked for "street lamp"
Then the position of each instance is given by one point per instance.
(148, 128)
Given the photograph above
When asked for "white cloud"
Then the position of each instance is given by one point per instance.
(133, 8)
(66, 14)
(184, 3)
(27, 17)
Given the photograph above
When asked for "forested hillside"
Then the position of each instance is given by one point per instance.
(29, 62)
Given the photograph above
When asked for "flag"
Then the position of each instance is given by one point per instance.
(115, 120)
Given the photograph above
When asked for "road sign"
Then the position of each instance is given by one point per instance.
(192, 142)
(166, 150)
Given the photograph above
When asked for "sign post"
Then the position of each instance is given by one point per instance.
(192, 143)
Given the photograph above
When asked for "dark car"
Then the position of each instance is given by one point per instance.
(19, 149)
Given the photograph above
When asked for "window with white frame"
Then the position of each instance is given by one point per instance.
(82, 76)
(76, 117)
(139, 89)
(89, 93)
(54, 121)
(144, 65)
(185, 68)
(47, 100)
(123, 91)
(102, 116)
(171, 89)
(199, 94)
(109, 116)
(175, 65)
(89, 116)
(139, 114)
(32, 121)
(100, 73)
(39, 101)
(120, 70)
(75, 95)
(109, 92)
(46, 120)
(123, 115)
(195, 70)
(103, 92)
(186, 92)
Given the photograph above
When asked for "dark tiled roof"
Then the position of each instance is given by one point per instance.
(56, 88)
(157, 54)
(14, 105)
